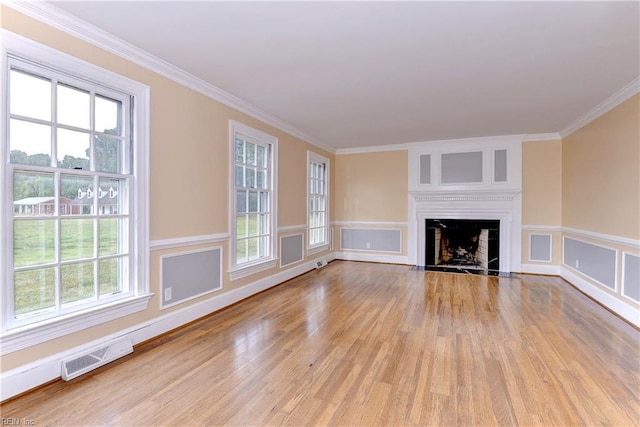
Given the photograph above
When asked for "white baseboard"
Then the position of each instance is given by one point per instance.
(549, 270)
(387, 259)
(41, 371)
(616, 305)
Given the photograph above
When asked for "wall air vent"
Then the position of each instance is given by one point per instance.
(95, 357)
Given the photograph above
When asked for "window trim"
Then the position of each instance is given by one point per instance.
(29, 335)
(244, 270)
(317, 158)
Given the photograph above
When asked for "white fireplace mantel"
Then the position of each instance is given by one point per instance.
(437, 190)
(503, 206)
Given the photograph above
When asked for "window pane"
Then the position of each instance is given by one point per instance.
(73, 149)
(265, 250)
(73, 106)
(321, 204)
(76, 282)
(107, 115)
(253, 225)
(35, 290)
(77, 195)
(239, 151)
(241, 251)
(111, 197)
(33, 242)
(251, 177)
(251, 154)
(264, 224)
(264, 201)
(76, 239)
(33, 194)
(253, 201)
(111, 236)
(261, 158)
(241, 226)
(111, 274)
(30, 95)
(30, 143)
(253, 250)
(241, 201)
(261, 179)
(239, 176)
(108, 154)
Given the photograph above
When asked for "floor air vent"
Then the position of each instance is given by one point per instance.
(94, 358)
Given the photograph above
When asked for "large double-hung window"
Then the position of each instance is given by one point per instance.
(74, 212)
(253, 200)
(318, 202)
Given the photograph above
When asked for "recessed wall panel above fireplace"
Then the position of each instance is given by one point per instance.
(479, 163)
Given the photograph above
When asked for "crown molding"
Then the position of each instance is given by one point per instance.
(373, 149)
(553, 136)
(629, 90)
(409, 145)
(63, 21)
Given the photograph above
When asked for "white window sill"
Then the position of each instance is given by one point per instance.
(316, 249)
(241, 271)
(37, 333)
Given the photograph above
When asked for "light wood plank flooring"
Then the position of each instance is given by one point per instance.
(371, 344)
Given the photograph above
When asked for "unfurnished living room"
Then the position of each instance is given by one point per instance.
(320, 213)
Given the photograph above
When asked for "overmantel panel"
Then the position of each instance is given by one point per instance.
(466, 164)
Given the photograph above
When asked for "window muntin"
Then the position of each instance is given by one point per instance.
(69, 163)
(317, 208)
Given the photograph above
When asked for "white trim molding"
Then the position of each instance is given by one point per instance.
(465, 196)
(41, 371)
(553, 136)
(609, 238)
(63, 21)
(626, 92)
(180, 242)
(606, 298)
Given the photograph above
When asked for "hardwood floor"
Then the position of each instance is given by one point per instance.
(371, 344)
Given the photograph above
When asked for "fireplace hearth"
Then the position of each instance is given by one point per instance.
(464, 245)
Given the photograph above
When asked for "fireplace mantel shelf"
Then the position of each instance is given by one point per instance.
(464, 195)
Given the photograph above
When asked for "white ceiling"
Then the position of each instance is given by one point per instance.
(355, 74)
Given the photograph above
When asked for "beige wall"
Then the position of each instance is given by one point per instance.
(542, 183)
(188, 173)
(601, 174)
(371, 187)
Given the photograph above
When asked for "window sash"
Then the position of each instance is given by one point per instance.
(88, 265)
(317, 201)
(253, 201)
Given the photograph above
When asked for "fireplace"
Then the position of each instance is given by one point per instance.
(462, 245)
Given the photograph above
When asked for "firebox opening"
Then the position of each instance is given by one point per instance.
(463, 244)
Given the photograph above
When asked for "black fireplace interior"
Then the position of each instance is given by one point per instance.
(465, 245)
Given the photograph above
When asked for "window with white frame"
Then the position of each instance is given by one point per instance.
(75, 216)
(254, 199)
(318, 200)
